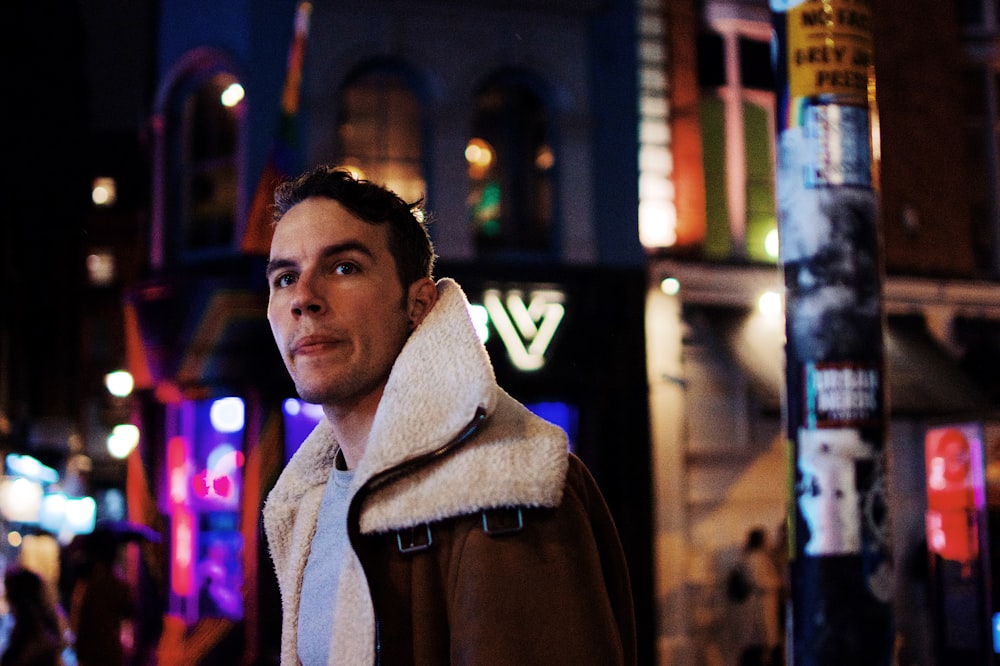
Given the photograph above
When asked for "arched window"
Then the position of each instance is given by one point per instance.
(207, 164)
(380, 129)
(197, 201)
(511, 160)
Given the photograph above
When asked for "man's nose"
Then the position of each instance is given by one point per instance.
(306, 298)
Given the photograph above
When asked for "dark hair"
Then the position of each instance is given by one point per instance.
(29, 601)
(409, 242)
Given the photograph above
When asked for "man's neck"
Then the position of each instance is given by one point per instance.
(352, 425)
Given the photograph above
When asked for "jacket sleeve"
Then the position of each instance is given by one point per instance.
(557, 592)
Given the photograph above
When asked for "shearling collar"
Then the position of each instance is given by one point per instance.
(442, 375)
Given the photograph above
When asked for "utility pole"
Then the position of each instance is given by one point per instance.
(835, 374)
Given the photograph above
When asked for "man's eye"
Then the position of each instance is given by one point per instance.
(284, 280)
(345, 268)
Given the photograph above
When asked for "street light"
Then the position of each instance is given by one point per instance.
(119, 383)
(123, 438)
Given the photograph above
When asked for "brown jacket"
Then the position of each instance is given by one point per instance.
(544, 582)
(552, 591)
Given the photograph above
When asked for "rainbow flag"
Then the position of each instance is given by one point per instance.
(257, 234)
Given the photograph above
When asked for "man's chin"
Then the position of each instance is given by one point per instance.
(312, 394)
(344, 393)
(324, 392)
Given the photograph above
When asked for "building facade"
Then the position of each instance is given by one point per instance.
(578, 158)
(514, 121)
(715, 358)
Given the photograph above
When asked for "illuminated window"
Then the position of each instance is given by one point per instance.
(209, 166)
(510, 160)
(205, 119)
(737, 120)
(380, 130)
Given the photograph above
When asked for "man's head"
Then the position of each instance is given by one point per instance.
(349, 280)
(408, 239)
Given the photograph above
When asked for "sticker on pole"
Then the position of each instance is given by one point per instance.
(840, 394)
(840, 147)
(828, 494)
(830, 49)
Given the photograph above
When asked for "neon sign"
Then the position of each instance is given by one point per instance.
(526, 328)
(955, 491)
(204, 468)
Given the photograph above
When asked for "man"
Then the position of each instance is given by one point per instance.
(429, 518)
(758, 623)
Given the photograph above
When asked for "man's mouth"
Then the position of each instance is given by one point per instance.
(311, 344)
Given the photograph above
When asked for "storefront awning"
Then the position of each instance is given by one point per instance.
(925, 381)
(200, 333)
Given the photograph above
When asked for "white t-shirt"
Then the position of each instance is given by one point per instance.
(322, 573)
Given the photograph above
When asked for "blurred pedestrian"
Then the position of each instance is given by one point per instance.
(760, 612)
(36, 639)
(102, 608)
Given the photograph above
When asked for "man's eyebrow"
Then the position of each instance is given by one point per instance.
(347, 246)
(274, 265)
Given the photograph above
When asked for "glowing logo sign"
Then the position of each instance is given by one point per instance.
(526, 329)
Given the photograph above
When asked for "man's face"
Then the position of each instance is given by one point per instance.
(336, 306)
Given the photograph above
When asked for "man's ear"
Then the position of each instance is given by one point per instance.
(422, 296)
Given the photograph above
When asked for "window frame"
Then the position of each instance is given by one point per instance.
(380, 161)
(530, 233)
(733, 97)
(167, 245)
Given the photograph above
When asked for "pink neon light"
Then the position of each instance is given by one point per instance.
(182, 551)
(177, 459)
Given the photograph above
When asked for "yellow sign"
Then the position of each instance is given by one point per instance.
(830, 49)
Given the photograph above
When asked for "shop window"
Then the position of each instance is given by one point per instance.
(202, 495)
(204, 168)
(511, 160)
(737, 121)
(380, 129)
